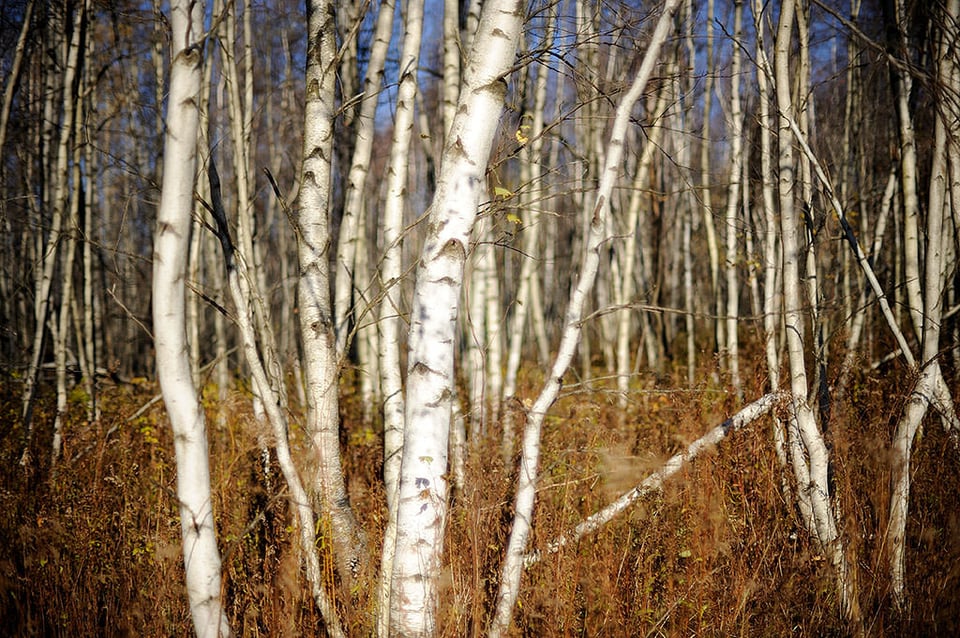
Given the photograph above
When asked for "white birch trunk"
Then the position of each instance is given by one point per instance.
(808, 450)
(473, 355)
(492, 321)
(713, 244)
(633, 226)
(57, 196)
(67, 302)
(654, 483)
(422, 507)
(174, 218)
(690, 198)
(734, 221)
(933, 289)
(530, 454)
(771, 254)
(266, 391)
(532, 201)
(321, 368)
(391, 308)
(451, 65)
(348, 289)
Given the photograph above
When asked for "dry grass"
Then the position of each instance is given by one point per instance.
(94, 550)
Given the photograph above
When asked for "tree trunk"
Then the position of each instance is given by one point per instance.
(391, 307)
(349, 287)
(734, 220)
(56, 196)
(422, 506)
(174, 218)
(933, 291)
(530, 454)
(809, 454)
(321, 369)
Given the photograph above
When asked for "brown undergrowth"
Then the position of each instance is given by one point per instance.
(93, 550)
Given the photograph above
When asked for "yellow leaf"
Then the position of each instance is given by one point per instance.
(512, 218)
(500, 191)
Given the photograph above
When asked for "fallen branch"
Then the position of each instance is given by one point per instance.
(655, 481)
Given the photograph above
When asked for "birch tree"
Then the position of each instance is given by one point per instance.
(200, 553)
(808, 452)
(530, 452)
(390, 310)
(321, 369)
(930, 375)
(57, 197)
(351, 246)
(732, 340)
(422, 504)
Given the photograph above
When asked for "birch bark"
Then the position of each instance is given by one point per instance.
(266, 391)
(933, 290)
(348, 289)
(172, 238)
(57, 196)
(321, 369)
(633, 227)
(809, 455)
(422, 504)
(532, 201)
(733, 220)
(391, 307)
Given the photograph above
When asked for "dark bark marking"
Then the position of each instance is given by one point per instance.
(453, 249)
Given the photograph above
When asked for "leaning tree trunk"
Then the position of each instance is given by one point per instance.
(530, 451)
(174, 217)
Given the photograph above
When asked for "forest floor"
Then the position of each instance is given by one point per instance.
(94, 548)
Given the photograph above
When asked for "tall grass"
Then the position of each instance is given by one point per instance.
(93, 550)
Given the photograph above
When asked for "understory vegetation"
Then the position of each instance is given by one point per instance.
(94, 548)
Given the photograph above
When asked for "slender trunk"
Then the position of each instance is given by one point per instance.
(933, 290)
(530, 455)
(67, 302)
(734, 221)
(349, 276)
(172, 239)
(654, 483)
(713, 247)
(771, 256)
(57, 197)
(690, 204)
(902, 86)
(13, 76)
(633, 227)
(808, 450)
(391, 307)
(532, 201)
(244, 296)
(321, 369)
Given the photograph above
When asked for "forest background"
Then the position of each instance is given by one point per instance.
(703, 324)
